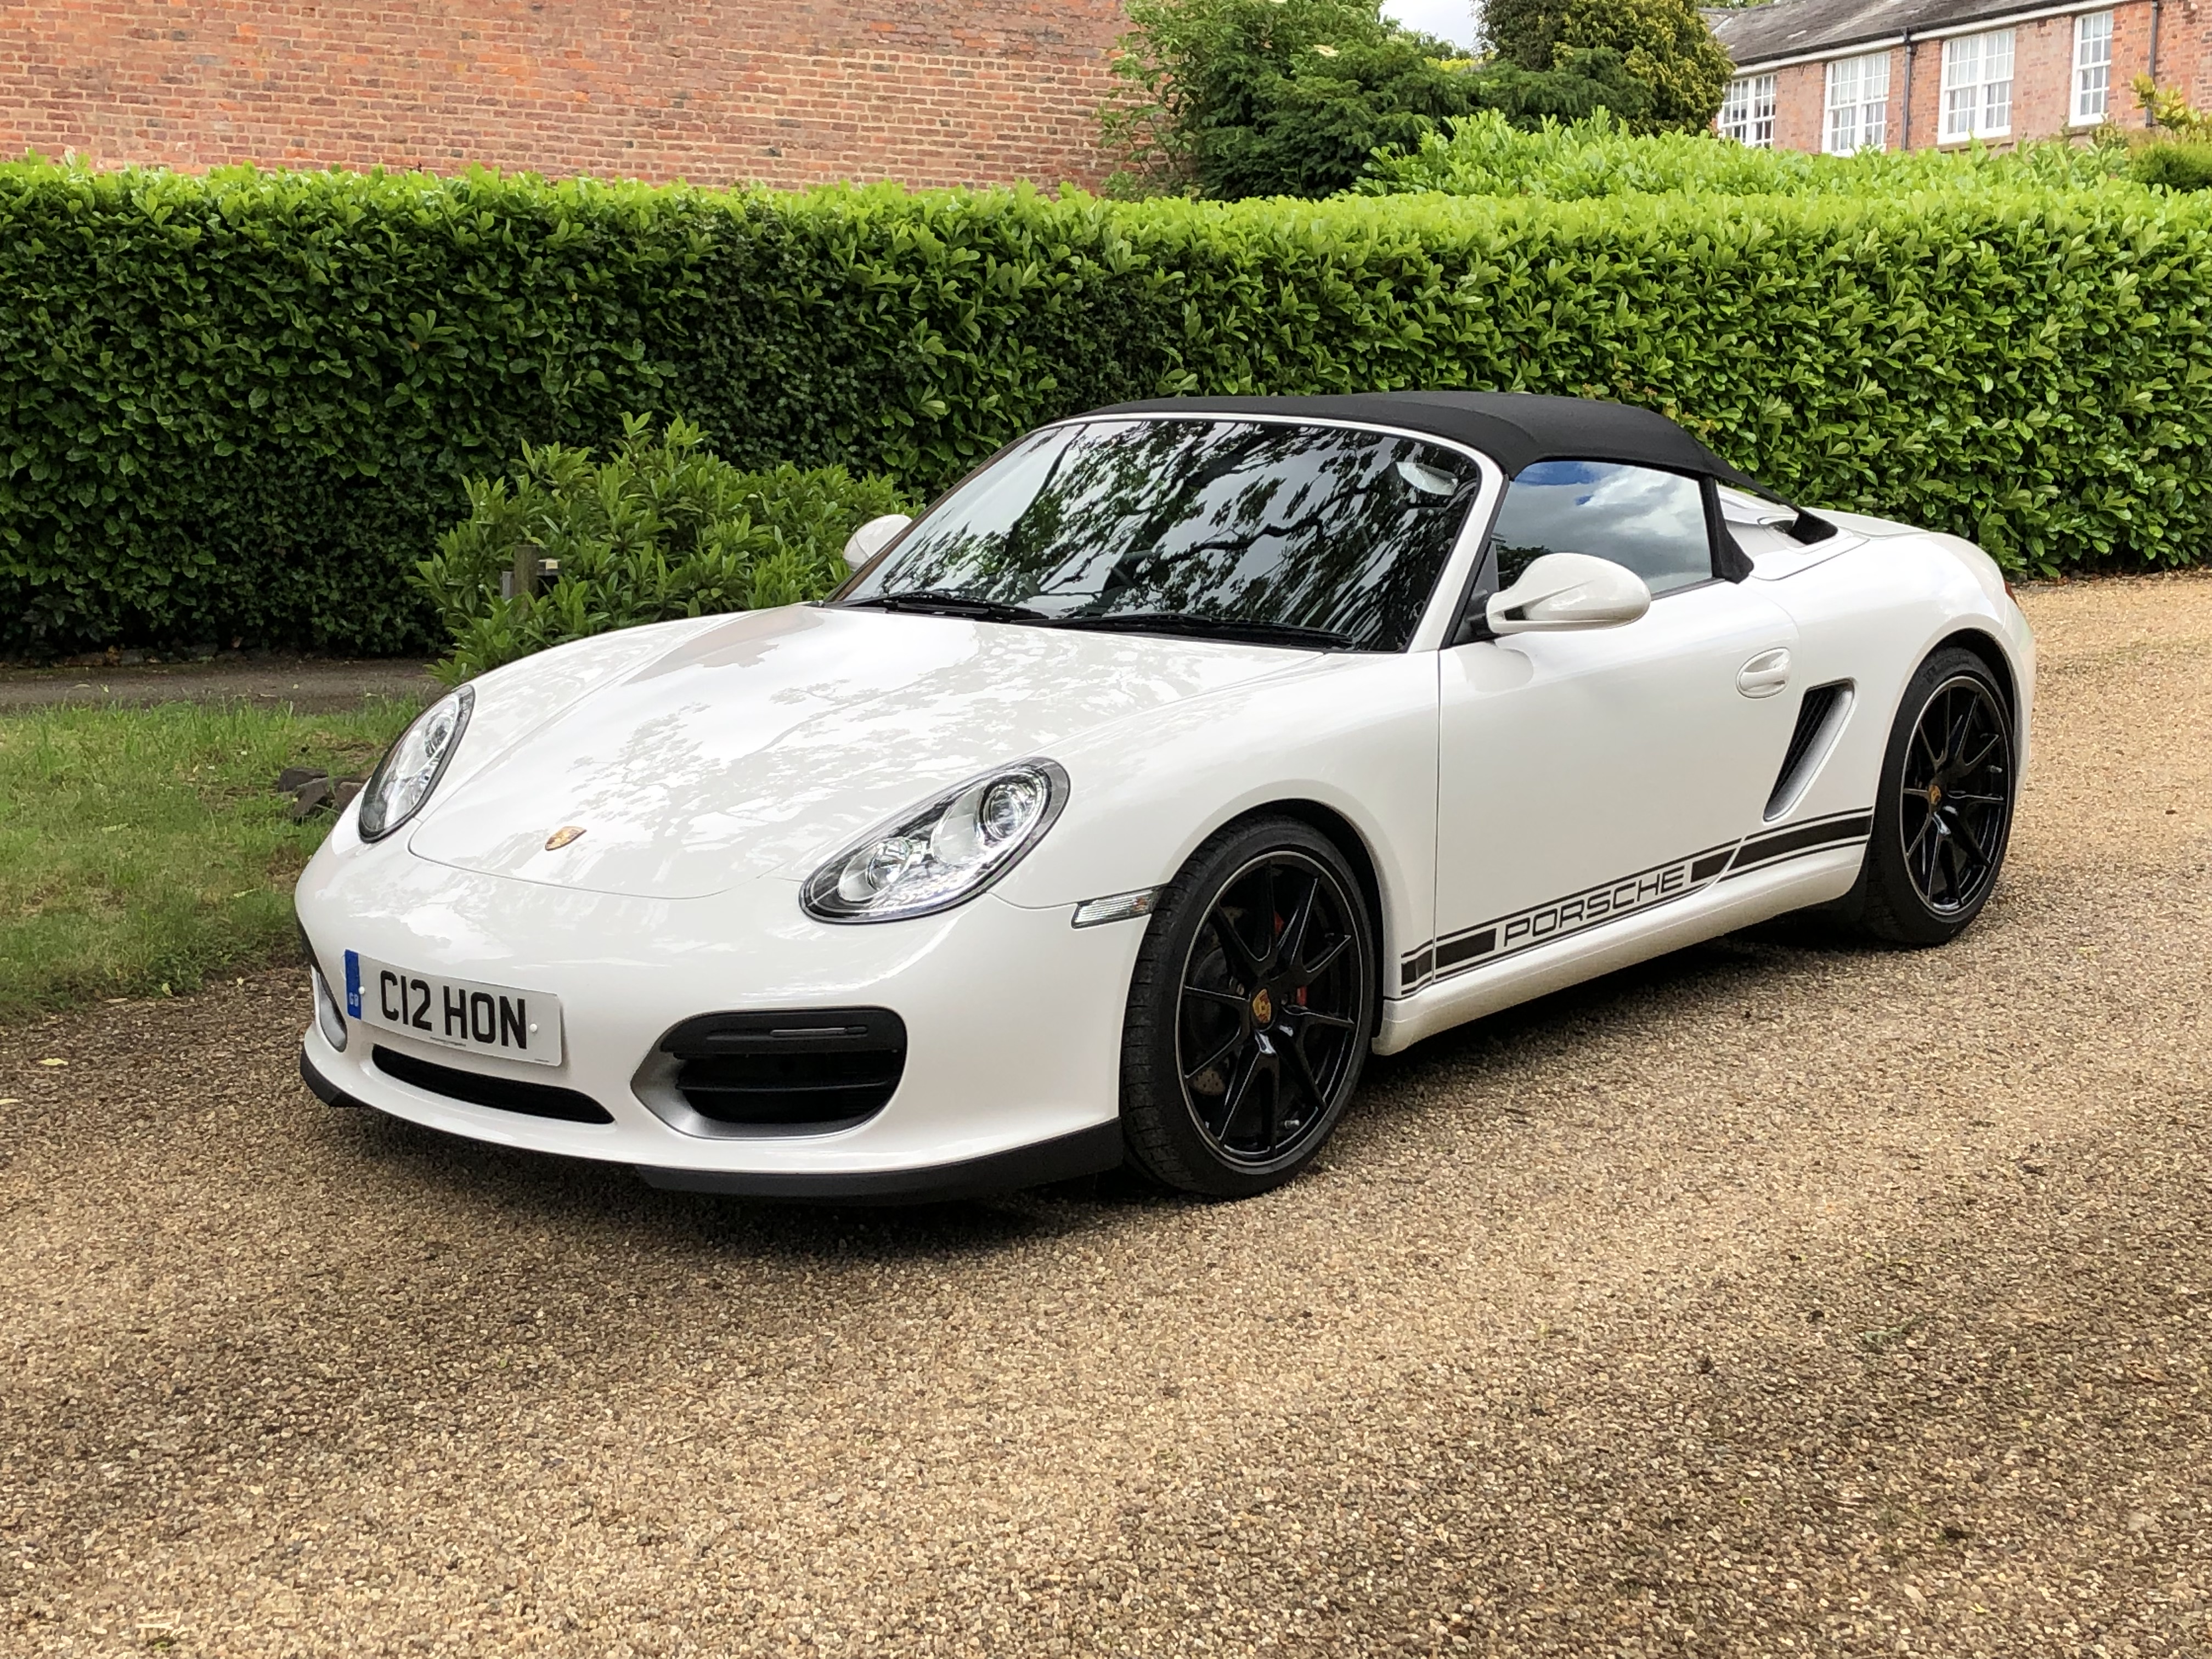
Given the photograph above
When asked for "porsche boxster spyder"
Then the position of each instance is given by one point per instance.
(1116, 808)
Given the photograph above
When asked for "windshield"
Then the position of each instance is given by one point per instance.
(1331, 536)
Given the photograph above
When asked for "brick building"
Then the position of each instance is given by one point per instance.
(785, 92)
(1845, 74)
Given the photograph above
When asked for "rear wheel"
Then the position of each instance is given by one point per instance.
(1943, 809)
(1249, 1012)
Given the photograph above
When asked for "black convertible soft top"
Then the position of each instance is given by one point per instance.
(1516, 429)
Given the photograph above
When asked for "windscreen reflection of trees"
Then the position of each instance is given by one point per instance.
(1318, 526)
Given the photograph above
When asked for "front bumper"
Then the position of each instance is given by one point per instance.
(1086, 1151)
(1013, 1022)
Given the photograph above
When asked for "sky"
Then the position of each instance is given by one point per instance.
(1448, 20)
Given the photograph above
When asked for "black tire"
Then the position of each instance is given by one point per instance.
(1942, 812)
(1250, 1010)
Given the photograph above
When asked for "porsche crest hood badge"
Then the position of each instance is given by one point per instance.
(561, 838)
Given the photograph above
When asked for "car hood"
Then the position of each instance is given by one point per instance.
(762, 744)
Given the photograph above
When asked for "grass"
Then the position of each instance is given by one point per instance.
(144, 849)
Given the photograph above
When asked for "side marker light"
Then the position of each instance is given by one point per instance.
(1120, 907)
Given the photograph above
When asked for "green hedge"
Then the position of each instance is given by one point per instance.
(658, 529)
(243, 405)
(1484, 154)
(2185, 165)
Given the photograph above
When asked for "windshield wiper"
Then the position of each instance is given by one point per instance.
(1229, 628)
(936, 602)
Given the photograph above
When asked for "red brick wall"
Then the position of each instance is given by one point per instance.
(2185, 49)
(1801, 99)
(2043, 77)
(786, 92)
(2042, 74)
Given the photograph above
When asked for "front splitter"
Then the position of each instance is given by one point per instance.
(1087, 1151)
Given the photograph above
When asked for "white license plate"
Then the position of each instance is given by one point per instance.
(484, 1019)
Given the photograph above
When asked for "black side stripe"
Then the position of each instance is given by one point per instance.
(1466, 948)
(1562, 918)
(1559, 918)
(1802, 838)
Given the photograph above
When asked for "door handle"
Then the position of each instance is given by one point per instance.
(1764, 674)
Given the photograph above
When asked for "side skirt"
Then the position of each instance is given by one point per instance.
(1770, 887)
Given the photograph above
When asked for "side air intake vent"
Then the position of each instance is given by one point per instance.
(1819, 718)
(806, 1071)
(505, 1094)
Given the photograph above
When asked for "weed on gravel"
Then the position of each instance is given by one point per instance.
(143, 849)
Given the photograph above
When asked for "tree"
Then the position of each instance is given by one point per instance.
(1592, 80)
(1664, 44)
(1236, 98)
(1204, 81)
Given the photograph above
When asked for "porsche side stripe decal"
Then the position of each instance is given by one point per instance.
(1813, 837)
(1509, 935)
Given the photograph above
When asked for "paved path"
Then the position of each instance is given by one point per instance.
(1767, 1299)
(308, 684)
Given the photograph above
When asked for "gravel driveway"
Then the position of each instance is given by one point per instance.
(1773, 1298)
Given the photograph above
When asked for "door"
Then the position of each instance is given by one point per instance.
(1587, 776)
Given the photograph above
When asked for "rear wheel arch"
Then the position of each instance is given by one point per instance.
(1889, 902)
(1984, 644)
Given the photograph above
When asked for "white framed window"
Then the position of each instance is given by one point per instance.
(2092, 67)
(1747, 112)
(1858, 104)
(1977, 86)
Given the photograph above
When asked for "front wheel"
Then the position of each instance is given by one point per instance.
(1943, 809)
(1249, 1012)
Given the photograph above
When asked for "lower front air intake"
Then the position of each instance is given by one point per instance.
(503, 1094)
(806, 1071)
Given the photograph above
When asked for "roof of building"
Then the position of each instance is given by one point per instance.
(1809, 28)
(1516, 429)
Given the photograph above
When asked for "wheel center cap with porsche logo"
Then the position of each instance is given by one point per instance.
(561, 838)
(1263, 1005)
(1934, 794)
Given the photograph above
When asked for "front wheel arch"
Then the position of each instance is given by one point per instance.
(1169, 1134)
(1344, 836)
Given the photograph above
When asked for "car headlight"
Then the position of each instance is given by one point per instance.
(942, 853)
(410, 768)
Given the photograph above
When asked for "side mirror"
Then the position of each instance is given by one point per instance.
(1564, 591)
(872, 538)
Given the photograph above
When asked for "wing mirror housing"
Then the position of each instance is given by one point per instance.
(1562, 591)
(873, 538)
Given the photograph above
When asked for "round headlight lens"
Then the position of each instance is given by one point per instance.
(944, 853)
(410, 769)
(873, 869)
(1010, 806)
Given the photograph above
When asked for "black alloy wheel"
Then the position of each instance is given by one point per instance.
(1250, 1012)
(1956, 795)
(1943, 809)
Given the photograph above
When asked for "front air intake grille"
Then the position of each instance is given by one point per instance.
(1808, 745)
(505, 1094)
(814, 1069)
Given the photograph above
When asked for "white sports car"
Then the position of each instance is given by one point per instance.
(1119, 806)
